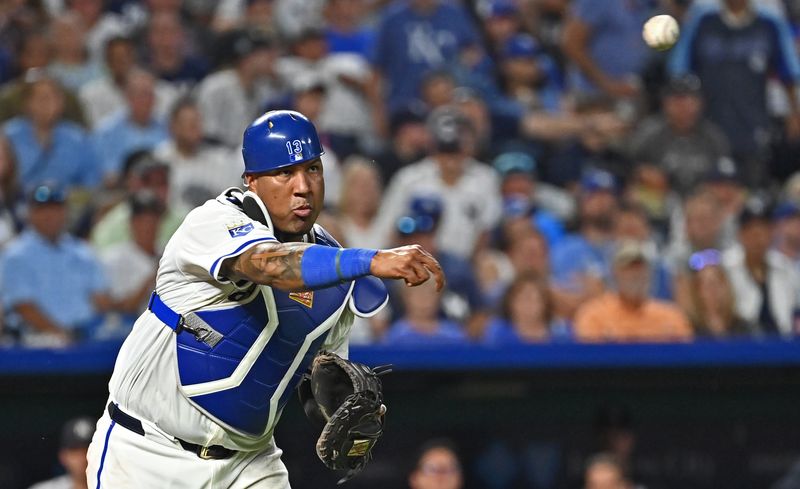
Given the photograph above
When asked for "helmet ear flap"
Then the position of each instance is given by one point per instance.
(255, 209)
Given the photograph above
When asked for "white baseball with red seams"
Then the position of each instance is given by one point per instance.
(661, 32)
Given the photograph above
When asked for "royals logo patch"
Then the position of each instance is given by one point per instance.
(240, 230)
(305, 298)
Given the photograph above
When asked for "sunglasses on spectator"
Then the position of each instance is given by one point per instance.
(703, 259)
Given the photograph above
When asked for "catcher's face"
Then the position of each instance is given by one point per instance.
(293, 196)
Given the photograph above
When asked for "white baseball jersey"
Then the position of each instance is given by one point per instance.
(231, 393)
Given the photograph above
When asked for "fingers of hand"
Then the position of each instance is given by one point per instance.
(415, 273)
(433, 267)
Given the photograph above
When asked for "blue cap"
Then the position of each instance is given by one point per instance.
(786, 210)
(514, 162)
(47, 193)
(423, 216)
(277, 139)
(521, 46)
(595, 180)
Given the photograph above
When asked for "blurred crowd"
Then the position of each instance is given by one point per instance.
(575, 184)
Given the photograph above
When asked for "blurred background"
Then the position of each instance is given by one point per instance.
(619, 226)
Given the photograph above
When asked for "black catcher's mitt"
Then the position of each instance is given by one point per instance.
(345, 400)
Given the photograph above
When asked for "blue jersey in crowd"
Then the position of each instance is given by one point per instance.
(411, 44)
(118, 137)
(734, 65)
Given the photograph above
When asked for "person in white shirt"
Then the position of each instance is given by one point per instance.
(231, 97)
(470, 190)
(197, 168)
(76, 434)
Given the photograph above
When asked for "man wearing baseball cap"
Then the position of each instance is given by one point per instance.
(76, 434)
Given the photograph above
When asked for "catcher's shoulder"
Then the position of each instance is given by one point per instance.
(323, 237)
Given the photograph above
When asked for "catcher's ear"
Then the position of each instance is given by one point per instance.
(255, 209)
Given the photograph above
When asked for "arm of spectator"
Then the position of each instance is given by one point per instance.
(575, 43)
(544, 126)
(35, 318)
(588, 326)
(374, 94)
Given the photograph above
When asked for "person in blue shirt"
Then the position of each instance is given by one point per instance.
(518, 189)
(53, 285)
(421, 324)
(416, 37)
(735, 49)
(526, 315)
(131, 129)
(45, 146)
(581, 264)
(603, 39)
(462, 301)
(345, 31)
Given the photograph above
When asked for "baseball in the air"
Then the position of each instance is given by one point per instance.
(661, 32)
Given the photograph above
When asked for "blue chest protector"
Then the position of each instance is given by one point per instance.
(265, 344)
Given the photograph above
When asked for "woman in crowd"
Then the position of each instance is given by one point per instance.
(526, 315)
(709, 301)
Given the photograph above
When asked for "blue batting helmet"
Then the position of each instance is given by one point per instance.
(277, 139)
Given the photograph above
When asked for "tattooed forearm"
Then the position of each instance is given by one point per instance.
(273, 264)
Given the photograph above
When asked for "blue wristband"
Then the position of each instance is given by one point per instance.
(323, 266)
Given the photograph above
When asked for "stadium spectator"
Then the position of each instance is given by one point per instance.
(581, 264)
(604, 43)
(54, 288)
(518, 188)
(415, 38)
(294, 16)
(420, 323)
(630, 313)
(592, 136)
(631, 224)
(101, 25)
(167, 52)
(71, 64)
(232, 98)
(757, 45)
(678, 141)
(132, 129)
(500, 21)
(469, 189)
(765, 284)
(198, 169)
(409, 142)
(710, 302)
(45, 146)
(531, 76)
(699, 227)
(106, 95)
(437, 467)
(527, 315)
(461, 301)
(603, 471)
(33, 56)
(787, 232)
(76, 434)
(131, 265)
(359, 203)
(142, 171)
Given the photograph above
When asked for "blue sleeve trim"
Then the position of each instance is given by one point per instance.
(240, 249)
(681, 62)
(788, 66)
